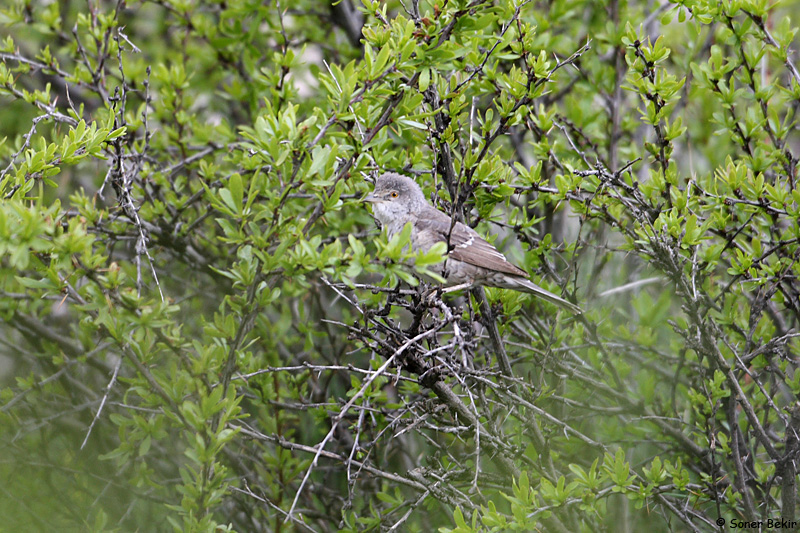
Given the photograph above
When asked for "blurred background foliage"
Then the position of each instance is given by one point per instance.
(203, 328)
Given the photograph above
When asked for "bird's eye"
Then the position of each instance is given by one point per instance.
(394, 195)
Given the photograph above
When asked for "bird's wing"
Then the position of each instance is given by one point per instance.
(465, 243)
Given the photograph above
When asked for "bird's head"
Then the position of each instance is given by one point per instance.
(395, 198)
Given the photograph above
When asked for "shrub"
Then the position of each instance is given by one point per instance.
(203, 328)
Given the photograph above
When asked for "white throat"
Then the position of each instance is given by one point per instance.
(391, 216)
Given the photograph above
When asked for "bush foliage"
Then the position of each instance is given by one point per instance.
(203, 328)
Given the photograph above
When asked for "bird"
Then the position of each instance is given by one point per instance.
(471, 260)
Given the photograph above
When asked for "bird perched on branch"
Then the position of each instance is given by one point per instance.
(471, 260)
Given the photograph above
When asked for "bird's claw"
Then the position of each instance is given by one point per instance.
(431, 296)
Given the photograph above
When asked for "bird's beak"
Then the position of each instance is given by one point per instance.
(371, 198)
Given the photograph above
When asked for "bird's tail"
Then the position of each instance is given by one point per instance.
(528, 286)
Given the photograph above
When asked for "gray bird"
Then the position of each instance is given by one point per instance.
(398, 200)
